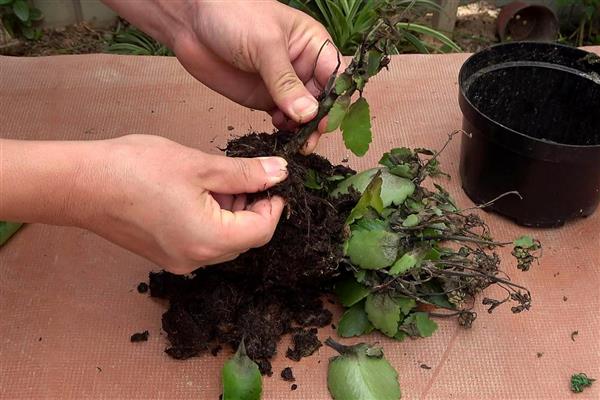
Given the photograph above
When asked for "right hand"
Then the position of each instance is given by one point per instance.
(176, 206)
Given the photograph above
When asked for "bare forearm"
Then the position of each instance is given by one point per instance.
(45, 181)
(161, 19)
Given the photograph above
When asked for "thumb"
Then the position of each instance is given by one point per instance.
(287, 90)
(234, 175)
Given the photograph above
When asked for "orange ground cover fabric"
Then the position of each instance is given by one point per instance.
(68, 302)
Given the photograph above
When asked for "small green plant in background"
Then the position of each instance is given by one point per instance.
(132, 41)
(588, 30)
(349, 20)
(19, 18)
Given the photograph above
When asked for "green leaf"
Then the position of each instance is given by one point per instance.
(440, 300)
(342, 83)
(383, 312)
(371, 197)
(425, 325)
(7, 229)
(241, 377)
(361, 372)
(404, 264)
(425, 30)
(433, 254)
(525, 242)
(354, 322)
(360, 275)
(410, 221)
(368, 224)
(350, 292)
(403, 170)
(356, 127)
(21, 10)
(337, 113)
(360, 82)
(373, 62)
(417, 43)
(414, 206)
(311, 180)
(396, 156)
(406, 304)
(28, 32)
(394, 189)
(10, 22)
(413, 259)
(373, 249)
(35, 14)
(419, 324)
(5, 2)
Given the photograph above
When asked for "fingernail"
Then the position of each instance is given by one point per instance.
(275, 168)
(305, 108)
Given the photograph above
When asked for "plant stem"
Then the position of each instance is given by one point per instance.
(299, 140)
(340, 348)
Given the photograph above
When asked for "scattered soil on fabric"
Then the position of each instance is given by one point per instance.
(305, 343)
(287, 374)
(142, 287)
(269, 291)
(140, 337)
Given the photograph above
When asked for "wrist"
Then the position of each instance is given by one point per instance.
(164, 20)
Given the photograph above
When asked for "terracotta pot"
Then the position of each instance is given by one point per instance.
(521, 21)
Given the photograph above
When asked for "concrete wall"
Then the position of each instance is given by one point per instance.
(65, 12)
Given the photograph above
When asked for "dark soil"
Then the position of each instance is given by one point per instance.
(305, 343)
(287, 374)
(139, 337)
(270, 291)
(142, 287)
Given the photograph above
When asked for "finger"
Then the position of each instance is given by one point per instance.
(314, 87)
(253, 227)
(239, 203)
(311, 144)
(225, 201)
(288, 91)
(326, 61)
(281, 122)
(224, 258)
(322, 127)
(278, 119)
(232, 175)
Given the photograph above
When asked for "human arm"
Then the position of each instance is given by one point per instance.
(174, 205)
(261, 54)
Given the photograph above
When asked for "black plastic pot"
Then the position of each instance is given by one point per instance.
(531, 116)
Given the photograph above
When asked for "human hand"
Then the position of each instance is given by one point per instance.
(178, 207)
(261, 54)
